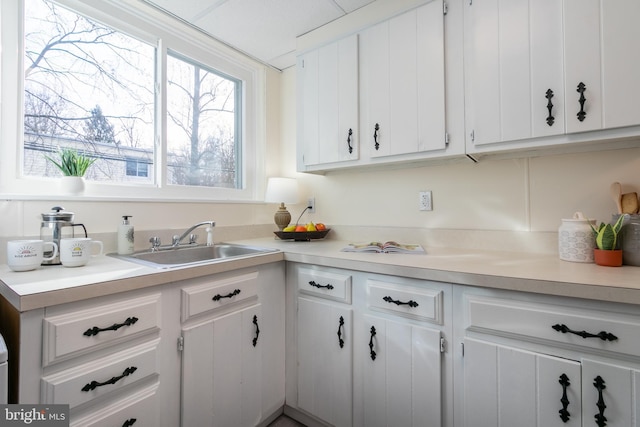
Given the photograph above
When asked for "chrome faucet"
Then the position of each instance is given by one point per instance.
(175, 241)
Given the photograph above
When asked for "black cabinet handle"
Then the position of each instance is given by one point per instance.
(315, 285)
(371, 352)
(601, 420)
(604, 336)
(376, 128)
(550, 118)
(95, 384)
(129, 422)
(340, 326)
(96, 330)
(349, 141)
(410, 303)
(218, 297)
(255, 322)
(581, 114)
(564, 412)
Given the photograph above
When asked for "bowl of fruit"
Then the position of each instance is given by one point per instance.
(303, 233)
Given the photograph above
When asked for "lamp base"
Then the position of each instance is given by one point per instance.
(282, 217)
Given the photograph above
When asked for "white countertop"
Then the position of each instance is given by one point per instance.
(528, 272)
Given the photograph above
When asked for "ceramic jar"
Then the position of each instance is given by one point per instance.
(630, 239)
(576, 239)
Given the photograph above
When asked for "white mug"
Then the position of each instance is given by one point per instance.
(75, 252)
(25, 255)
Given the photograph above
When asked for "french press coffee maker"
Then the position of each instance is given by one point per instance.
(57, 225)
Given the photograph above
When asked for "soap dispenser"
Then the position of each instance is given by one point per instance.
(125, 236)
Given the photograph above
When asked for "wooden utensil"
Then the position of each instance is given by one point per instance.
(616, 195)
(629, 203)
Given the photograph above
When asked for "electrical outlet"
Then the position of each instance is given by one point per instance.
(311, 204)
(424, 201)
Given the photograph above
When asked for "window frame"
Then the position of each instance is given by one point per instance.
(167, 33)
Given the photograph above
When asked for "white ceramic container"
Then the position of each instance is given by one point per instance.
(576, 239)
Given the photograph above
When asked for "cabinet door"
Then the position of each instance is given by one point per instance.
(325, 361)
(402, 66)
(515, 54)
(328, 96)
(610, 394)
(222, 371)
(401, 374)
(504, 386)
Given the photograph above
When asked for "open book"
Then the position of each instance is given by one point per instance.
(386, 247)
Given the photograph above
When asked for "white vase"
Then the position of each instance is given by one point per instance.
(72, 185)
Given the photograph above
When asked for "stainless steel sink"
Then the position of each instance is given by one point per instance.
(193, 255)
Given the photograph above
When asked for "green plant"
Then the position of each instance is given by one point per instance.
(72, 162)
(607, 234)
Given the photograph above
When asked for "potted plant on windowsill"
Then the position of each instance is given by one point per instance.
(73, 166)
(607, 252)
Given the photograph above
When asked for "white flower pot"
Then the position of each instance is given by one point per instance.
(72, 185)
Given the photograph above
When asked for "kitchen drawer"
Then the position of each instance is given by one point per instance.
(330, 285)
(99, 377)
(139, 409)
(213, 294)
(559, 324)
(78, 331)
(418, 303)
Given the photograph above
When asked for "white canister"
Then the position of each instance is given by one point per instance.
(576, 239)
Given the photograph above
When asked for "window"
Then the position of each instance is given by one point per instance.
(164, 109)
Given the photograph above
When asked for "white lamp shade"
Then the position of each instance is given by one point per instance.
(281, 190)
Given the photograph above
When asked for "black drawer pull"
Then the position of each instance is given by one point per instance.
(315, 285)
(581, 114)
(371, 352)
(255, 322)
(95, 384)
(96, 330)
(410, 303)
(349, 141)
(601, 420)
(604, 336)
(376, 128)
(340, 326)
(218, 297)
(564, 412)
(550, 118)
(129, 422)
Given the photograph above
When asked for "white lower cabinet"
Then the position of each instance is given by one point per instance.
(221, 371)
(325, 357)
(232, 345)
(369, 349)
(201, 352)
(402, 374)
(531, 360)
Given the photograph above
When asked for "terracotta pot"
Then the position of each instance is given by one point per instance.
(608, 258)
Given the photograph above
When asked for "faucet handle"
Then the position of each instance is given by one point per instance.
(193, 238)
(155, 242)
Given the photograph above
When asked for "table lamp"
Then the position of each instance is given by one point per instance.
(281, 190)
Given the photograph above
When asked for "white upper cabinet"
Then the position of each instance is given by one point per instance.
(328, 100)
(538, 70)
(378, 96)
(402, 87)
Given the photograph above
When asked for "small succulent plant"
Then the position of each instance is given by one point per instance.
(72, 162)
(607, 234)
